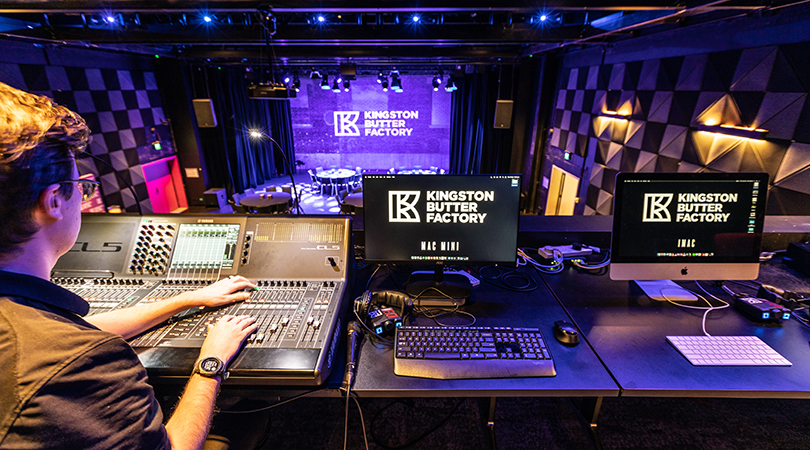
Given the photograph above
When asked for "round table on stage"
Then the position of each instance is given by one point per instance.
(354, 202)
(416, 172)
(335, 178)
(267, 203)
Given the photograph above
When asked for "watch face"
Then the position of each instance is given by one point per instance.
(210, 365)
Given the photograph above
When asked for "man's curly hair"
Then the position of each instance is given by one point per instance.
(38, 144)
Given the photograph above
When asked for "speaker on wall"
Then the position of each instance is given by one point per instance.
(204, 110)
(503, 114)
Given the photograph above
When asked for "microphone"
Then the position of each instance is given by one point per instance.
(355, 334)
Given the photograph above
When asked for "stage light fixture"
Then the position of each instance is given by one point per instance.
(321, 19)
(385, 85)
(256, 134)
(287, 79)
(543, 18)
(380, 77)
(396, 84)
(450, 86)
(415, 18)
(207, 19)
(325, 82)
(296, 84)
(346, 85)
(314, 74)
(437, 81)
(335, 87)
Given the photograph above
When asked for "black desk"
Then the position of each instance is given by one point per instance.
(627, 330)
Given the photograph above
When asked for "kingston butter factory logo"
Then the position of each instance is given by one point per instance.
(375, 123)
(690, 207)
(440, 206)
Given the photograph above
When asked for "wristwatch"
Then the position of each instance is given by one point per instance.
(211, 367)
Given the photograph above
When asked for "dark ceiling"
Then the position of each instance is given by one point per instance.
(371, 32)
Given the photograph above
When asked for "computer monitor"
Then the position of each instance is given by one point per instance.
(687, 226)
(438, 220)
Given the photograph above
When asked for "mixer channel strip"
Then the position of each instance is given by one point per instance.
(289, 314)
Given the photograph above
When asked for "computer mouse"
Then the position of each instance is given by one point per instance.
(566, 333)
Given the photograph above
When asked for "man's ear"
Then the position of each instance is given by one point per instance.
(49, 205)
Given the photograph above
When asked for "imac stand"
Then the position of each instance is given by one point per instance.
(439, 288)
(665, 290)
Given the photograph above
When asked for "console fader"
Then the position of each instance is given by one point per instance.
(300, 265)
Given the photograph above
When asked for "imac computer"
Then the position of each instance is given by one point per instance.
(438, 220)
(686, 226)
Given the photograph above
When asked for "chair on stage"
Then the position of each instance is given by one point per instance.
(316, 183)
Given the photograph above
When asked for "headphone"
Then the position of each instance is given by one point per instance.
(376, 310)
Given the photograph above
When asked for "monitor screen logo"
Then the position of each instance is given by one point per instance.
(402, 206)
(655, 208)
(346, 123)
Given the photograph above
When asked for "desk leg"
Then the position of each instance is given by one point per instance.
(488, 408)
(589, 411)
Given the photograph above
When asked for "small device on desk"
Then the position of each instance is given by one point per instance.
(448, 353)
(441, 220)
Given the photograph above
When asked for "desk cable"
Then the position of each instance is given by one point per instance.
(706, 310)
(785, 298)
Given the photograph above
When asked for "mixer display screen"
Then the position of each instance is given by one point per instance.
(205, 246)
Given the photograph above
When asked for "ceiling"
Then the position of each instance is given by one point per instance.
(370, 32)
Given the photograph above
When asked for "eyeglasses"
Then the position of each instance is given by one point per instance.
(86, 187)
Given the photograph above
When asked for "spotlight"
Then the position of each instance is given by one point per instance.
(314, 74)
(207, 19)
(287, 79)
(256, 134)
(380, 77)
(346, 85)
(415, 18)
(296, 84)
(396, 84)
(385, 85)
(437, 81)
(335, 87)
(321, 19)
(543, 18)
(110, 19)
(451, 85)
(325, 82)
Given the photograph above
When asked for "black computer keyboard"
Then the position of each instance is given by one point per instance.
(450, 353)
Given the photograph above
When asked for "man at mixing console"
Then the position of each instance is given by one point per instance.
(69, 382)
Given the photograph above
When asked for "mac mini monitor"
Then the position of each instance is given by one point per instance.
(687, 226)
(438, 220)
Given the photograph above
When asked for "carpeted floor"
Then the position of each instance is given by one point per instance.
(544, 423)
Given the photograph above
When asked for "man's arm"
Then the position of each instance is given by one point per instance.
(130, 322)
(189, 424)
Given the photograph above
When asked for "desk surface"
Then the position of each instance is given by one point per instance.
(628, 331)
(579, 372)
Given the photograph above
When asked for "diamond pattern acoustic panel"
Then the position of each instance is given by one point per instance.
(665, 99)
(120, 106)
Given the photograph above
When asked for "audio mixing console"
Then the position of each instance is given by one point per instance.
(300, 264)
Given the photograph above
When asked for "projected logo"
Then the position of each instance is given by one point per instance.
(655, 208)
(402, 206)
(346, 123)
